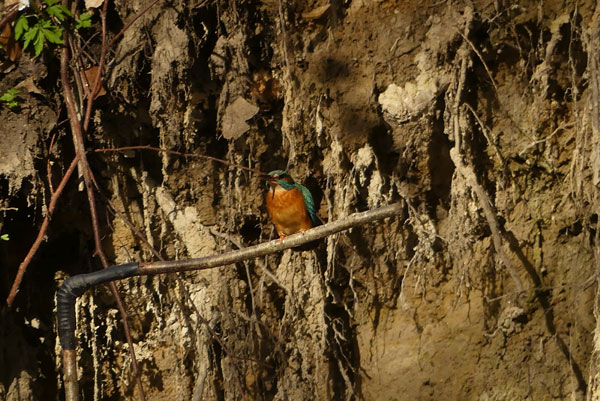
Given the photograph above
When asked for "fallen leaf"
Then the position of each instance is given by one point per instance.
(9, 45)
(316, 13)
(29, 86)
(234, 120)
(93, 3)
(90, 78)
(23, 4)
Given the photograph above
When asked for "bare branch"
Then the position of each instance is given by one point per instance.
(41, 234)
(122, 31)
(77, 285)
(77, 132)
(174, 152)
(357, 219)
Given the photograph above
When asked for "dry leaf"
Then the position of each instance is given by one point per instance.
(90, 78)
(236, 114)
(23, 4)
(93, 3)
(316, 13)
(29, 86)
(9, 45)
(18, 4)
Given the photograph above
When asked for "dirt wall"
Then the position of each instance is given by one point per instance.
(480, 118)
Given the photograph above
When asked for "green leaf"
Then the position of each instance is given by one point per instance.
(10, 98)
(53, 35)
(30, 35)
(21, 26)
(59, 12)
(13, 92)
(4, 237)
(38, 45)
(48, 25)
(67, 11)
(84, 21)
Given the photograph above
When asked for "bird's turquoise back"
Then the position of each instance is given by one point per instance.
(309, 202)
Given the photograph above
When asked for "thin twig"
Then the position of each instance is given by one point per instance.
(77, 133)
(12, 13)
(76, 52)
(81, 81)
(95, 87)
(174, 152)
(41, 233)
(534, 143)
(138, 15)
(486, 133)
(48, 168)
(466, 39)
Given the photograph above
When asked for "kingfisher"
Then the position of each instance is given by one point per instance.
(290, 205)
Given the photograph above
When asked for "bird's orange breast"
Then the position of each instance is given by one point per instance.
(288, 211)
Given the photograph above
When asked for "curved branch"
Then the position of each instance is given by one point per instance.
(75, 286)
(293, 241)
(78, 140)
(41, 234)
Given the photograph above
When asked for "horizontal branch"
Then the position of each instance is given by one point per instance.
(174, 152)
(75, 286)
(357, 219)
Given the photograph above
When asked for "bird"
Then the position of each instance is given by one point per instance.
(290, 205)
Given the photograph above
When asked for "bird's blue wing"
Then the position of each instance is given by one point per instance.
(309, 202)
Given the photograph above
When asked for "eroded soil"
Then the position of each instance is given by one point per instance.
(477, 117)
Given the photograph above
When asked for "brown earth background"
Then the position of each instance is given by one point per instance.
(481, 118)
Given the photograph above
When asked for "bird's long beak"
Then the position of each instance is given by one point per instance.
(270, 180)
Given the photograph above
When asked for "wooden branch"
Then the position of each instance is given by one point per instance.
(77, 132)
(75, 286)
(357, 219)
(41, 234)
(174, 152)
(138, 15)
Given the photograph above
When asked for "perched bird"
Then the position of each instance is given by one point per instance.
(290, 205)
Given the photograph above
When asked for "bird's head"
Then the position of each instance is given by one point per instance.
(278, 178)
